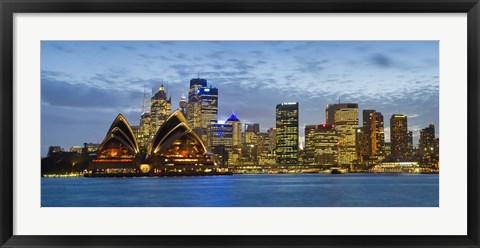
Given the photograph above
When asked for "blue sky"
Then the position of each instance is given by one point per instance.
(85, 84)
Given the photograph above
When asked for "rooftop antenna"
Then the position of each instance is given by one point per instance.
(198, 75)
(338, 100)
(144, 95)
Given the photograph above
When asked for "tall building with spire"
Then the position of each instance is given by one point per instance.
(160, 108)
(143, 135)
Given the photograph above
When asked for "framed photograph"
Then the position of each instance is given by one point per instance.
(233, 123)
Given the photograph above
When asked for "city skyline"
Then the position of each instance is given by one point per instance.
(83, 88)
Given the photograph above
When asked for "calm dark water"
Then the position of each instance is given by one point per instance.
(264, 190)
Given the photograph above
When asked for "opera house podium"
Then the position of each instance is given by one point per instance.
(176, 150)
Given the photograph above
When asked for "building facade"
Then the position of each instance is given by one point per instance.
(399, 137)
(287, 133)
(345, 118)
(321, 145)
(428, 145)
(160, 108)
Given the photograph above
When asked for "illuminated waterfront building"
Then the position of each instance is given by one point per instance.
(177, 148)
(118, 151)
(250, 143)
(160, 108)
(193, 105)
(287, 133)
(221, 137)
(345, 118)
(202, 107)
(399, 137)
(428, 144)
(362, 144)
(374, 130)
(144, 135)
(237, 129)
(321, 144)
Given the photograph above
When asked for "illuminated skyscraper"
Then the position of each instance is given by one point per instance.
(399, 137)
(202, 107)
(287, 133)
(237, 129)
(194, 104)
(321, 144)
(160, 108)
(345, 118)
(374, 130)
(221, 142)
(428, 144)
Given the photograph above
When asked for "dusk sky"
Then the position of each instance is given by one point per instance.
(86, 84)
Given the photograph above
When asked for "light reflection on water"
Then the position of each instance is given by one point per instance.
(261, 190)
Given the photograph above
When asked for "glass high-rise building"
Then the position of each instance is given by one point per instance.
(345, 118)
(237, 129)
(287, 133)
(202, 107)
(399, 137)
(428, 144)
(160, 108)
(193, 105)
(321, 145)
(373, 127)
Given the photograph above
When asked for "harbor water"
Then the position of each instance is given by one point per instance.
(254, 190)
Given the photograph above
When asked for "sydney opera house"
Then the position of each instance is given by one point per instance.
(175, 150)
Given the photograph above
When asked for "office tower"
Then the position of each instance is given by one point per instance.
(193, 105)
(202, 107)
(373, 128)
(287, 133)
(363, 143)
(221, 142)
(250, 142)
(221, 135)
(399, 137)
(345, 118)
(160, 108)
(321, 144)
(428, 144)
(237, 129)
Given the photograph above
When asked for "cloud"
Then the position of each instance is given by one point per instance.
(62, 93)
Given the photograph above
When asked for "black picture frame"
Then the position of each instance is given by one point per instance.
(10, 7)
